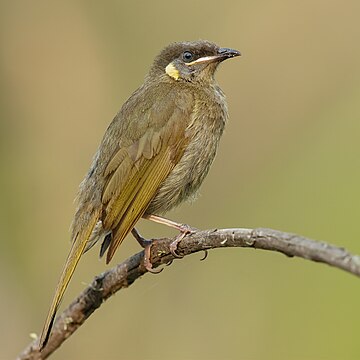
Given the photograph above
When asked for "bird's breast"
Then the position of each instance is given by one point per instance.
(204, 129)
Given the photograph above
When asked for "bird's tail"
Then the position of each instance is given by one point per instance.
(78, 246)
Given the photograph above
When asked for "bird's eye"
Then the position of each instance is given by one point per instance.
(188, 56)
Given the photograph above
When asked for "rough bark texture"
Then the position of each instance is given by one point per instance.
(124, 274)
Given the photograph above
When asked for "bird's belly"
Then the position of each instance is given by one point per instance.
(187, 176)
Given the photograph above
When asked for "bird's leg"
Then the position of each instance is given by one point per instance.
(146, 244)
(183, 228)
(141, 240)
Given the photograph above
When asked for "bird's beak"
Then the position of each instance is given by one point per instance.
(223, 54)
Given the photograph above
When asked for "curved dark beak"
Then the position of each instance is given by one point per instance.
(226, 53)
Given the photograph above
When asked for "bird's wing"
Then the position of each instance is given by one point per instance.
(135, 174)
(151, 142)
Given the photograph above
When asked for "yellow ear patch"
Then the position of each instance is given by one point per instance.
(172, 71)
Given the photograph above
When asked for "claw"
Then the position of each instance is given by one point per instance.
(174, 253)
(205, 255)
(147, 262)
(154, 271)
(174, 245)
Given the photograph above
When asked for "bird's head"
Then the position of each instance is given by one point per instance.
(191, 61)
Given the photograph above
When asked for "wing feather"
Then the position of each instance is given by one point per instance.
(157, 153)
(142, 194)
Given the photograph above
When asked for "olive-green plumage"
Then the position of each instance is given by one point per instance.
(154, 155)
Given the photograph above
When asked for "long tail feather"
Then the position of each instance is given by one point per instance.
(77, 249)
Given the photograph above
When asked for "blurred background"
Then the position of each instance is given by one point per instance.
(289, 160)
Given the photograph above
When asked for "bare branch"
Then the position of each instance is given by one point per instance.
(123, 275)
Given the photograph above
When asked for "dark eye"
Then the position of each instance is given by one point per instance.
(188, 56)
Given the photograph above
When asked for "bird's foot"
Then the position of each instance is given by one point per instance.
(184, 230)
(147, 262)
(146, 244)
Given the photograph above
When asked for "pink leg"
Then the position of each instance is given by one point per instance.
(161, 220)
(183, 228)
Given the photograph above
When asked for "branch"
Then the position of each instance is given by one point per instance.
(123, 275)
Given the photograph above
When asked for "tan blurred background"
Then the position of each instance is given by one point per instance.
(289, 160)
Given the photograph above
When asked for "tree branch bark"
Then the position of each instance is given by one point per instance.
(124, 274)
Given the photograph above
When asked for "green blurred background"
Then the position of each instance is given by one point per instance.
(289, 160)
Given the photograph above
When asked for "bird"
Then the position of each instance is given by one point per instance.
(153, 156)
